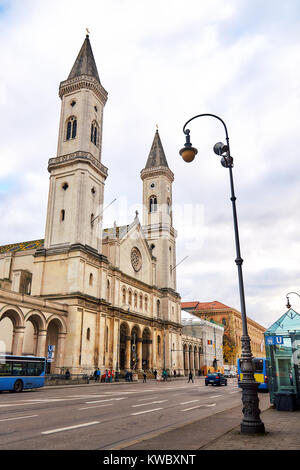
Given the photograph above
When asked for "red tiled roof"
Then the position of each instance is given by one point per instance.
(204, 305)
(189, 305)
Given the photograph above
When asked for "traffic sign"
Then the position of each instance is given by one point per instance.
(277, 340)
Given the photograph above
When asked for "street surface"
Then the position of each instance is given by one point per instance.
(106, 416)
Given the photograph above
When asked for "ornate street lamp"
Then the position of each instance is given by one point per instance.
(288, 299)
(251, 423)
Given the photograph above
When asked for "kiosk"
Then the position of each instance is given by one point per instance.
(282, 341)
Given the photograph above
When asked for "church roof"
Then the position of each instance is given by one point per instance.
(157, 155)
(21, 246)
(85, 63)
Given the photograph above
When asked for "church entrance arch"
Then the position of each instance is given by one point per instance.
(135, 349)
(56, 333)
(146, 340)
(124, 333)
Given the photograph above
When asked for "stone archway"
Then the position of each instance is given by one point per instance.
(136, 354)
(146, 349)
(124, 334)
(13, 337)
(55, 337)
(35, 334)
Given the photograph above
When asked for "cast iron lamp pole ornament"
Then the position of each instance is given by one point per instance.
(288, 299)
(251, 423)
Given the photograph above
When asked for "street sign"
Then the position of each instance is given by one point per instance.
(275, 340)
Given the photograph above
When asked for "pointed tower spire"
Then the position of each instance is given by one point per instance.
(85, 63)
(157, 155)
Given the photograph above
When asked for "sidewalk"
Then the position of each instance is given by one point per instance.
(221, 431)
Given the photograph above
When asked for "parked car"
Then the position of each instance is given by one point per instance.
(215, 379)
(227, 374)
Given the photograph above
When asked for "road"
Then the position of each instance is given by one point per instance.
(106, 416)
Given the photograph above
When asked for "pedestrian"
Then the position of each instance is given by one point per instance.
(130, 376)
(165, 375)
(174, 373)
(67, 374)
(109, 375)
(98, 374)
(155, 374)
(144, 377)
(106, 375)
(112, 375)
(191, 377)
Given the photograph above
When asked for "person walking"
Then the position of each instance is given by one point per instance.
(174, 374)
(191, 377)
(165, 375)
(155, 374)
(98, 374)
(144, 377)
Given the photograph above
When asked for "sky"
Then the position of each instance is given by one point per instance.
(163, 62)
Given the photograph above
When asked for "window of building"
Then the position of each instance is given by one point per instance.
(88, 334)
(135, 300)
(158, 308)
(158, 345)
(94, 133)
(71, 128)
(91, 279)
(62, 215)
(146, 303)
(141, 302)
(153, 204)
(130, 297)
(124, 295)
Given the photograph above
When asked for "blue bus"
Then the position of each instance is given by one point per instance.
(260, 372)
(19, 373)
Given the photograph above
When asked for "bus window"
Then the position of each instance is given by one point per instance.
(31, 369)
(258, 365)
(17, 368)
(5, 369)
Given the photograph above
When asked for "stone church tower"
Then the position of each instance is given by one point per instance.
(76, 175)
(158, 215)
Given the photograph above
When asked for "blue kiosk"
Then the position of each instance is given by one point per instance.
(282, 341)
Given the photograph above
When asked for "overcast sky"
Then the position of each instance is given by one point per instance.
(162, 62)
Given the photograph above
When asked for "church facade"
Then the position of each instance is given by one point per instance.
(103, 297)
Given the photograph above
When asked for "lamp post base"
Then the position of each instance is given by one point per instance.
(251, 423)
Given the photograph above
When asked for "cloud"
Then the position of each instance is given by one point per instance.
(162, 63)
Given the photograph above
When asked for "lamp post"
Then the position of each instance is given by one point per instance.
(288, 299)
(251, 423)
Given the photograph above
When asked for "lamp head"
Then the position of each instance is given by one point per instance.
(288, 305)
(188, 152)
(220, 148)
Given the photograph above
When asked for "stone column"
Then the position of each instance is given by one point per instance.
(186, 360)
(139, 353)
(150, 357)
(18, 340)
(128, 353)
(60, 352)
(41, 343)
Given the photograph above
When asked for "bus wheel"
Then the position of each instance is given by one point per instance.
(18, 386)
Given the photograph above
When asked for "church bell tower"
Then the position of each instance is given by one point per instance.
(77, 175)
(157, 214)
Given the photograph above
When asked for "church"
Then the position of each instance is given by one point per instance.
(99, 297)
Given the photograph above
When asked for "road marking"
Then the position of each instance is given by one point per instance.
(109, 399)
(142, 399)
(68, 428)
(186, 402)
(199, 406)
(214, 396)
(148, 411)
(97, 406)
(236, 391)
(18, 417)
(150, 403)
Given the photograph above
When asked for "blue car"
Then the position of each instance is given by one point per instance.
(215, 379)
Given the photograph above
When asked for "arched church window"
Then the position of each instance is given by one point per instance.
(62, 215)
(124, 295)
(135, 300)
(158, 345)
(146, 303)
(88, 334)
(168, 206)
(91, 278)
(71, 128)
(158, 308)
(129, 297)
(141, 302)
(153, 204)
(94, 133)
(108, 291)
